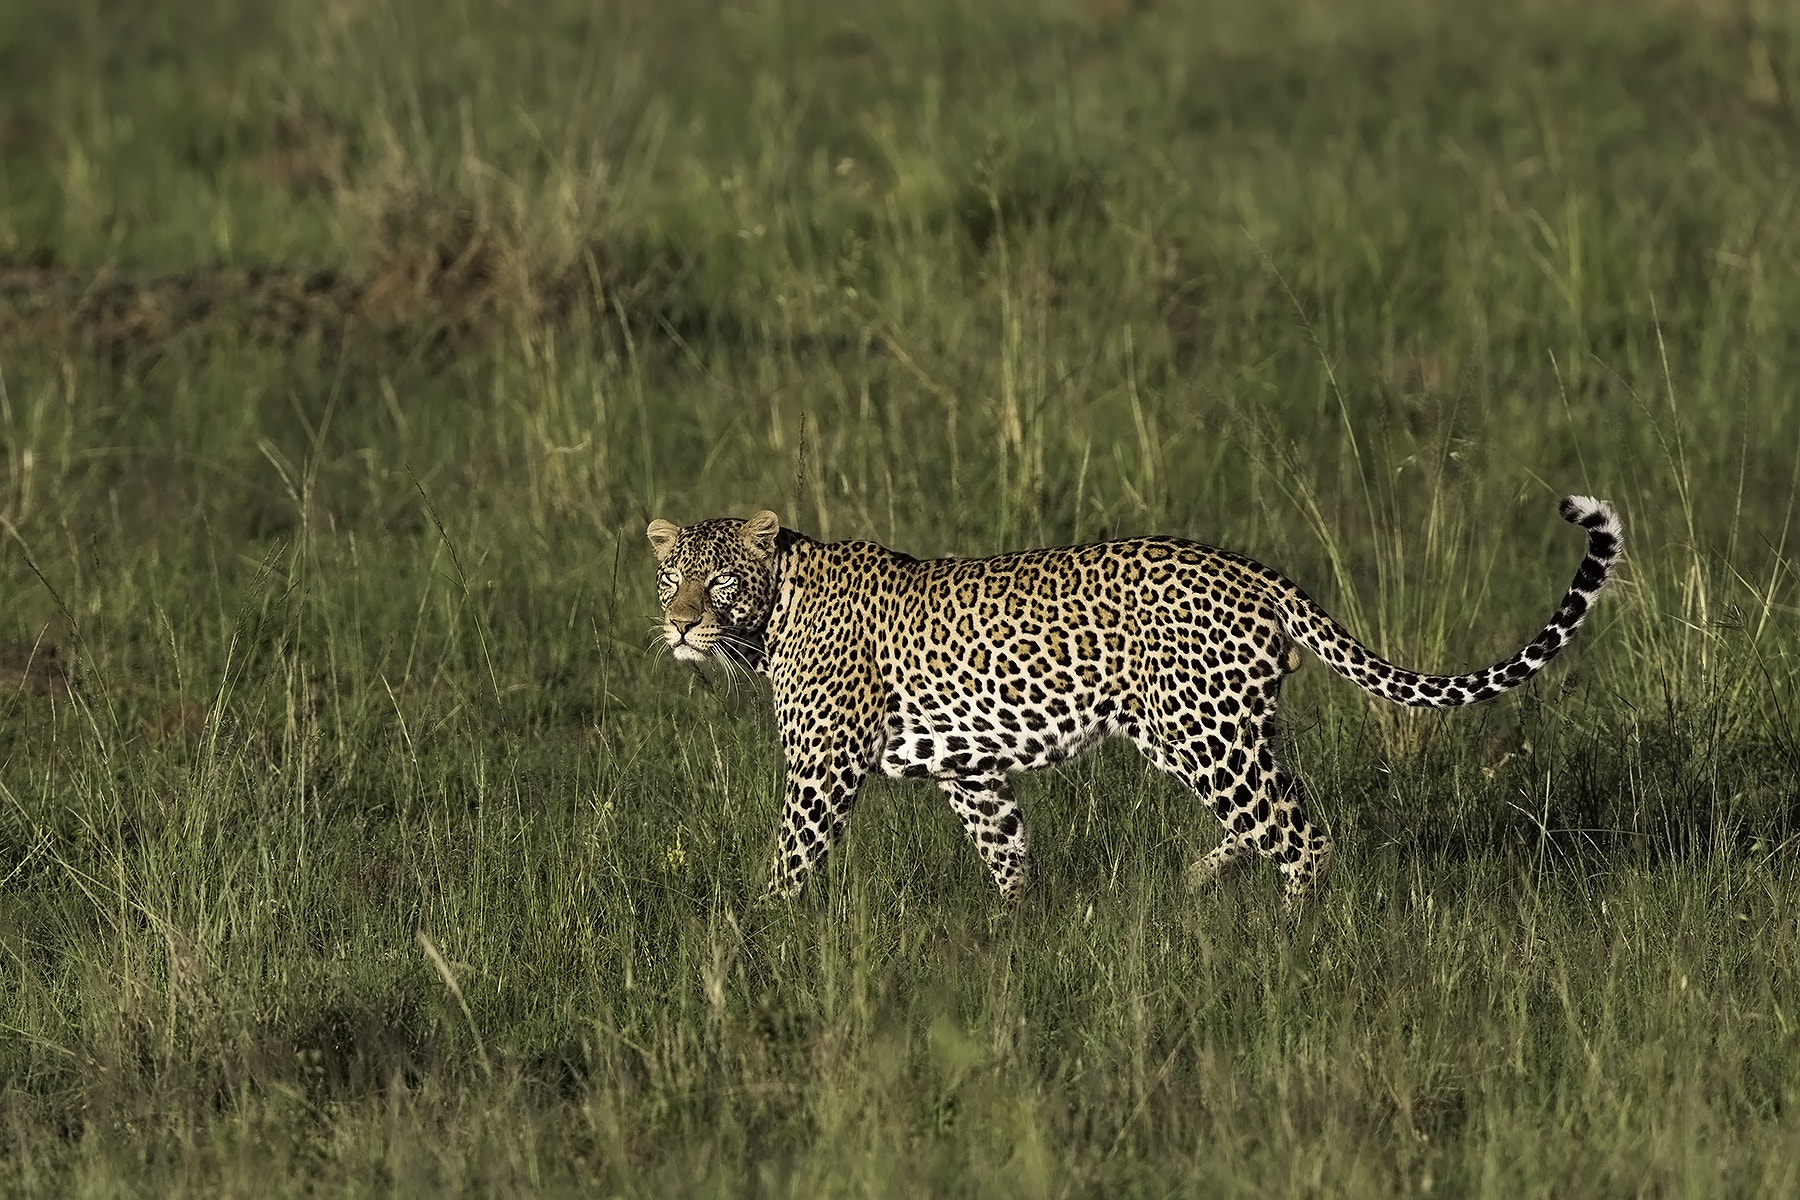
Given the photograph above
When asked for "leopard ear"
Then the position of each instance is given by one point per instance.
(662, 535)
(759, 532)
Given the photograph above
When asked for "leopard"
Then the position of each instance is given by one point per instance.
(968, 671)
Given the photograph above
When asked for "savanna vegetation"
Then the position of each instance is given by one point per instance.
(357, 838)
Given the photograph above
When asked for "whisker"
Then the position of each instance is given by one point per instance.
(741, 655)
(737, 662)
(726, 655)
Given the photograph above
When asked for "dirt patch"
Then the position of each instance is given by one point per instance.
(108, 309)
(34, 667)
(431, 275)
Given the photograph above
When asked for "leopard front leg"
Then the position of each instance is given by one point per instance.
(991, 818)
(830, 723)
(820, 795)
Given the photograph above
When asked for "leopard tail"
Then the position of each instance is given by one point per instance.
(1312, 627)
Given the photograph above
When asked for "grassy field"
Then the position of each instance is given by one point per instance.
(354, 837)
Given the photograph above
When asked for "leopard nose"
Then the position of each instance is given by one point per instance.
(682, 624)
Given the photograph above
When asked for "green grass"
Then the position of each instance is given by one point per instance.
(346, 350)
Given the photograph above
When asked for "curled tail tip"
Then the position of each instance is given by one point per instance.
(1595, 516)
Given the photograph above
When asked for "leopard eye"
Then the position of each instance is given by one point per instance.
(726, 580)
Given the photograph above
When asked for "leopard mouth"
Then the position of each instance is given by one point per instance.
(688, 644)
(734, 646)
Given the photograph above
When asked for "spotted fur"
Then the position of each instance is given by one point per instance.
(965, 671)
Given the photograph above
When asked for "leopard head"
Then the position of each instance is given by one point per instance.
(716, 582)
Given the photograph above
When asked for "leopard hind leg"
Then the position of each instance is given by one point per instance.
(1261, 806)
(1231, 852)
(1180, 754)
(992, 819)
(1299, 847)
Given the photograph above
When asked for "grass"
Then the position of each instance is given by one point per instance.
(355, 839)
